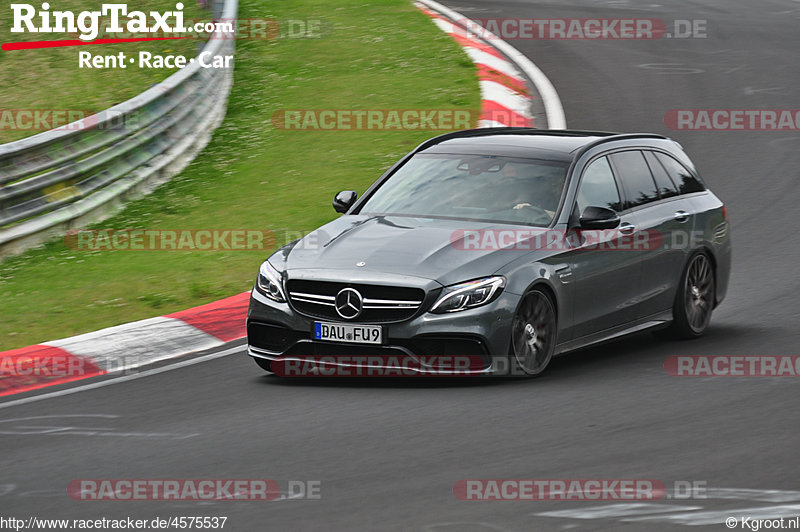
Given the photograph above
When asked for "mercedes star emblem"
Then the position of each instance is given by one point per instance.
(349, 303)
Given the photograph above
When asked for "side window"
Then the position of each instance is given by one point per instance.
(635, 177)
(598, 188)
(686, 182)
(666, 187)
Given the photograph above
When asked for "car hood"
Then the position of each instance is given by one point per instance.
(402, 246)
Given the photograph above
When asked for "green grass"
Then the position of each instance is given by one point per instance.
(50, 78)
(382, 54)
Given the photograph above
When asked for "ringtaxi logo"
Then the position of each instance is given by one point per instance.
(87, 23)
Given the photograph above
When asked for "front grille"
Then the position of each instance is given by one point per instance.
(381, 304)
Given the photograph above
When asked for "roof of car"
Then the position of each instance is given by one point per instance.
(530, 142)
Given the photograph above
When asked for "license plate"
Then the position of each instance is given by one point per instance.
(344, 332)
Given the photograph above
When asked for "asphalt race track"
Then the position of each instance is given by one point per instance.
(387, 453)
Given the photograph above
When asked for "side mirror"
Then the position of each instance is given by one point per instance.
(598, 218)
(344, 200)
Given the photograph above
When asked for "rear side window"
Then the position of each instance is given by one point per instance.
(598, 188)
(686, 182)
(666, 187)
(635, 177)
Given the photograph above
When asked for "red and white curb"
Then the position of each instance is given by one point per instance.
(123, 347)
(505, 75)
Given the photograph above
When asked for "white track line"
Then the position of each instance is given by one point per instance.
(125, 378)
(618, 510)
(550, 99)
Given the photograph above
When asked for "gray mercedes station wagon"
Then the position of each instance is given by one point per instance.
(490, 251)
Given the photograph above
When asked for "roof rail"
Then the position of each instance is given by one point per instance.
(607, 136)
(621, 136)
(480, 132)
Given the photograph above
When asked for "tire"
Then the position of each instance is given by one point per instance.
(533, 334)
(264, 364)
(694, 300)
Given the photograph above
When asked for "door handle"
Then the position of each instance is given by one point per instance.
(627, 228)
(681, 216)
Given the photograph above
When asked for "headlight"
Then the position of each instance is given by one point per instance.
(269, 281)
(469, 295)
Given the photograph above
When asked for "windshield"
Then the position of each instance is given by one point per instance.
(473, 187)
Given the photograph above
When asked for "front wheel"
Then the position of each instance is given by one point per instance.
(694, 301)
(533, 333)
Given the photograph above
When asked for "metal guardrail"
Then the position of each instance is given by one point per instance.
(80, 173)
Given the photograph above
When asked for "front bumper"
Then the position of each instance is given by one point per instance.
(470, 342)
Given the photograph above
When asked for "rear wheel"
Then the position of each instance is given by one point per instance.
(264, 364)
(533, 333)
(694, 301)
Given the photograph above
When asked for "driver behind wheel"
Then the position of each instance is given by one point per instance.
(533, 194)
